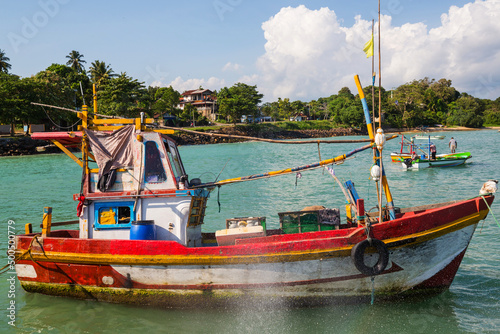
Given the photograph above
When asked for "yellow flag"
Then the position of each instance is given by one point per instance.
(368, 49)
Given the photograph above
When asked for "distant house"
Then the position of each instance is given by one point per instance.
(298, 117)
(203, 100)
(250, 119)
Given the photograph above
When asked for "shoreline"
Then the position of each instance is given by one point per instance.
(24, 145)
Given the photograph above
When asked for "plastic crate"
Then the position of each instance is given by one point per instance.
(309, 221)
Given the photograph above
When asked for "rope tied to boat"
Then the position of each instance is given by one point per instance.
(6, 268)
(491, 211)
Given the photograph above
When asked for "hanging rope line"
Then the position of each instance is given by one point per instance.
(58, 126)
(336, 160)
(72, 110)
(314, 141)
(294, 142)
(491, 211)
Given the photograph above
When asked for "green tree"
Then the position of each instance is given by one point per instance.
(317, 108)
(166, 101)
(76, 61)
(339, 108)
(466, 111)
(76, 82)
(270, 109)
(10, 88)
(410, 102)
(190, 115)
(45, 87)
(298, 107)
(240, 99)
(123, 96)
(492, 112)
(284, 108)
(4, 65)
(100, 73)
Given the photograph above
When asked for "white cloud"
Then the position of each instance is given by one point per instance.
(231, 67)
(310, 54)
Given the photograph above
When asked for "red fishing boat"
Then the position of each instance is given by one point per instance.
(140, 241)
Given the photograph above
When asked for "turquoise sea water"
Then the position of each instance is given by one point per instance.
(471, 305)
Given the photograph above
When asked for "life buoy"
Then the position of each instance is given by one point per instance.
(358, 253)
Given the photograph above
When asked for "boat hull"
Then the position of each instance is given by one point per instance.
(439, 162)
(400, 157)
(309, 268)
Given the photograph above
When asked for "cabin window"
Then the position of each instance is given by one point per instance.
(153, 168)
(174, 159)
(113, 215)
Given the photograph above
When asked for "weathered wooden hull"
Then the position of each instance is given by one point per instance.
(426, 248)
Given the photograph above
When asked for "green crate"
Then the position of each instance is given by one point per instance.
(303, 221)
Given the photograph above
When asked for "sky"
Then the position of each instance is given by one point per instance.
(301, 50)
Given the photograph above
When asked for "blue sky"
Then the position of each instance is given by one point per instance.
(297, 49)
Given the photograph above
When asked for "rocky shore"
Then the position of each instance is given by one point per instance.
(27, 146)
(183, 138)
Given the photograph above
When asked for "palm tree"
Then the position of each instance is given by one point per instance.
(100, 72)
(76, 61)
(4, 66)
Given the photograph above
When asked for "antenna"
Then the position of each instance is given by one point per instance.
(83, 96)
(222, 170)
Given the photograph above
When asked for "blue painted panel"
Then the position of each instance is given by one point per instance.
(115, 207)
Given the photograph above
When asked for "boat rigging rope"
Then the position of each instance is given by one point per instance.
(223, 135)
(6, 268)
(318, 141)
(58, 126)
(74, 111)
(491, 211)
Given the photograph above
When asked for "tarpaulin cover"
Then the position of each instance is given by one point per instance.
(112, 150)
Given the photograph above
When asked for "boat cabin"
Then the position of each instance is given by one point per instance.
(139, 180)
(135, 187)
(153, 186)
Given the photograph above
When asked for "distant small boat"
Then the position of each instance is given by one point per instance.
(450, 160)
(400, 157)
(408, 146)
(423, 136)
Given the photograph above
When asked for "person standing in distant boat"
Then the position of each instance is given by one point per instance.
(432, 148)
(453, 145)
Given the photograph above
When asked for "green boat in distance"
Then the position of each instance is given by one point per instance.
(449, 160)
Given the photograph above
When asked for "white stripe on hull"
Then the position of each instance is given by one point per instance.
(340, 277)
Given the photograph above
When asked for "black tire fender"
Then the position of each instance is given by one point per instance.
(358, 253)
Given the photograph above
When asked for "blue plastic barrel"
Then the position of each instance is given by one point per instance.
(143, 230)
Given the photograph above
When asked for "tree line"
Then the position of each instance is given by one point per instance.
(420, 102)
(424, 102)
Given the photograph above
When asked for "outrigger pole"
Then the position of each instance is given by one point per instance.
(385, 185)
(338, 159)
